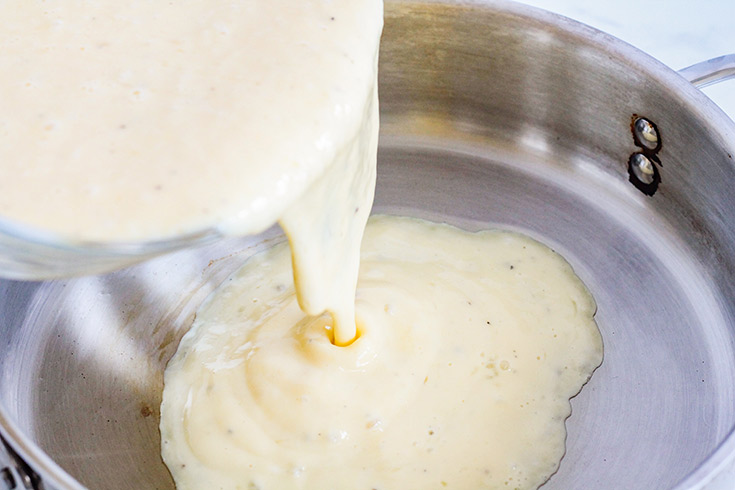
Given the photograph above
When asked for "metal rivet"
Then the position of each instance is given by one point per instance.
(642, 168)
(6, 477)
(646, 134)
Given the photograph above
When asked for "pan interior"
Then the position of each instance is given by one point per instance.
(491, 118)
(89, 353)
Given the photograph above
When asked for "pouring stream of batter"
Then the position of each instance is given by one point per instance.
(145, 120)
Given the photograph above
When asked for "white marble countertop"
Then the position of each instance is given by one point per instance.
(678, 33)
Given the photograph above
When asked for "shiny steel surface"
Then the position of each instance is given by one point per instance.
(645, 133)
(711, 71)
(493, 114)
(642, 168)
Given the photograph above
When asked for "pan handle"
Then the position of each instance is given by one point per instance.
(711, 71)
(15, 474)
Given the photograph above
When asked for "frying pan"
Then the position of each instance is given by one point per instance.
(493, 115)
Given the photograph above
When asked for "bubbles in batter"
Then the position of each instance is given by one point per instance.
(470, 346)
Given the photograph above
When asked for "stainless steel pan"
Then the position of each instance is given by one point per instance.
(493, 114)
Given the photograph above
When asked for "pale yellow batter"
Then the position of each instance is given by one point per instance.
(142, 120)
(470, 346)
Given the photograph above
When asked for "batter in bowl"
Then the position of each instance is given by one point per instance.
(144, 120)
(470, 346)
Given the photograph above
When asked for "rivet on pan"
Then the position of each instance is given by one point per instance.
(6, 476)
(646, 134)
(641, 167)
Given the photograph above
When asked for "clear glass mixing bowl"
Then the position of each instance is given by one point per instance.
(28, 253)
